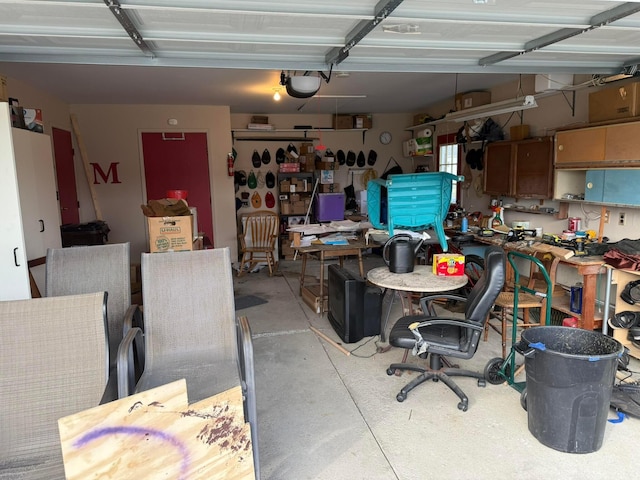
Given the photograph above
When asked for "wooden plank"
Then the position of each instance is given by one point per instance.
(156, 434)
(87, 166)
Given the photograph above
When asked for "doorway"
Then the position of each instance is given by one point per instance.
(65, 176)
(179, 161)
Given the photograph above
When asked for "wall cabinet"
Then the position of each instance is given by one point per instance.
(14, 282)
(31, 216)
(604, 146)
(520, 169)
(38, 196)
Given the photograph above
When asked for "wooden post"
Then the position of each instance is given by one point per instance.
(87, 166)
(603, 213)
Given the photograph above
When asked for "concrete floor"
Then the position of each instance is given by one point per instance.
(325, 415)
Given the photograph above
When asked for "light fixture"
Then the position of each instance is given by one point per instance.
(498, 108)
(276, 95)
(302, 86)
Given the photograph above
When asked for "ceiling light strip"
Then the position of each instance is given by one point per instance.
(382, 10)
(498, 108)
(122, 17)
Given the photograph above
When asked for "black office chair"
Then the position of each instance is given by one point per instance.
(445, 336)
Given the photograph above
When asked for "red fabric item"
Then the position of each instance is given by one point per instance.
(622, 260)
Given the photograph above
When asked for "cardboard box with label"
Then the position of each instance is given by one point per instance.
(616, 102)
(472, 100)
(445, 264)
(170, 234)
(342, 122)
(170, 225)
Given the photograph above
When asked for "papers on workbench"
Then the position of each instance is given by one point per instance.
(381, 236)
(335, 226)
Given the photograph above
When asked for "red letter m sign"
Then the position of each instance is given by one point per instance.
(112, 172)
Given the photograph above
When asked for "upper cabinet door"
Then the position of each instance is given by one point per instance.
(575, 147)
(622, 144)
(498, 169)
(534, 168)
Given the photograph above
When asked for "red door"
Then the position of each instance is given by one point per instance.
(179, 161)
(65, 175)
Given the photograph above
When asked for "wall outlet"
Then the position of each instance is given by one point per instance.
(622, 219)
(606, 216)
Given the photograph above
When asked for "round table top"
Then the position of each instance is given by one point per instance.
(422, 279)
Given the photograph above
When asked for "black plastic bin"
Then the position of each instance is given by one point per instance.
(570, 376)
(79, 234)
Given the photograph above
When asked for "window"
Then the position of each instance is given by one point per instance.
(449, 161)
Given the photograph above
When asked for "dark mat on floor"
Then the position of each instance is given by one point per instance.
(246, 301)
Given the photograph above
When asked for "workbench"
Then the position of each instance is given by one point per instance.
(589, 267)
(316, 296)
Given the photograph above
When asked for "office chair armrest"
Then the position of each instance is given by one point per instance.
(126, 362)
(458, 322)
(427, 306)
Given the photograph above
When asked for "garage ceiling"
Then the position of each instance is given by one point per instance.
(394, 55)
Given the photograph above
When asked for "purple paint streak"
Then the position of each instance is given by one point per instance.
(139, 431)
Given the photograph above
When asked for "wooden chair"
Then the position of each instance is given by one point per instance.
(537, 294)
(258, 234)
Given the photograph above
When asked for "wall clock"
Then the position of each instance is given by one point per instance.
(385, 138)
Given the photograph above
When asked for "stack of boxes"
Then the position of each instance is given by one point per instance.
(291, 200)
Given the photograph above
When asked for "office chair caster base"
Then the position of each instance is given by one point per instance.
(463, 406)
(401, 397)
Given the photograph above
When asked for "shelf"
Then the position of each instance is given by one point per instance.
(267, 135)
(425, 125)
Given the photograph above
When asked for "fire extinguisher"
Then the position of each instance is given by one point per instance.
(230, 161)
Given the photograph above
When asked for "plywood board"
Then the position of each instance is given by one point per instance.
(157, 434)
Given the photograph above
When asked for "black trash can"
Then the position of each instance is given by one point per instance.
(82, 234)
(570, 376)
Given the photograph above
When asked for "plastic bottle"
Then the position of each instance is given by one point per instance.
(465, 225)
(497, 219)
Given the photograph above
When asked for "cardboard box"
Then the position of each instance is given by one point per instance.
(342, 122)
(285, 207)
(362, 121)
(420, 118)
(615, 103)
(285, 186)
(306, 148)
(472, 99)
(519, 132)
(416, 147)
(322, 165)
(170, 234)
(329, 188)
(260, 119)
(445, 264)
